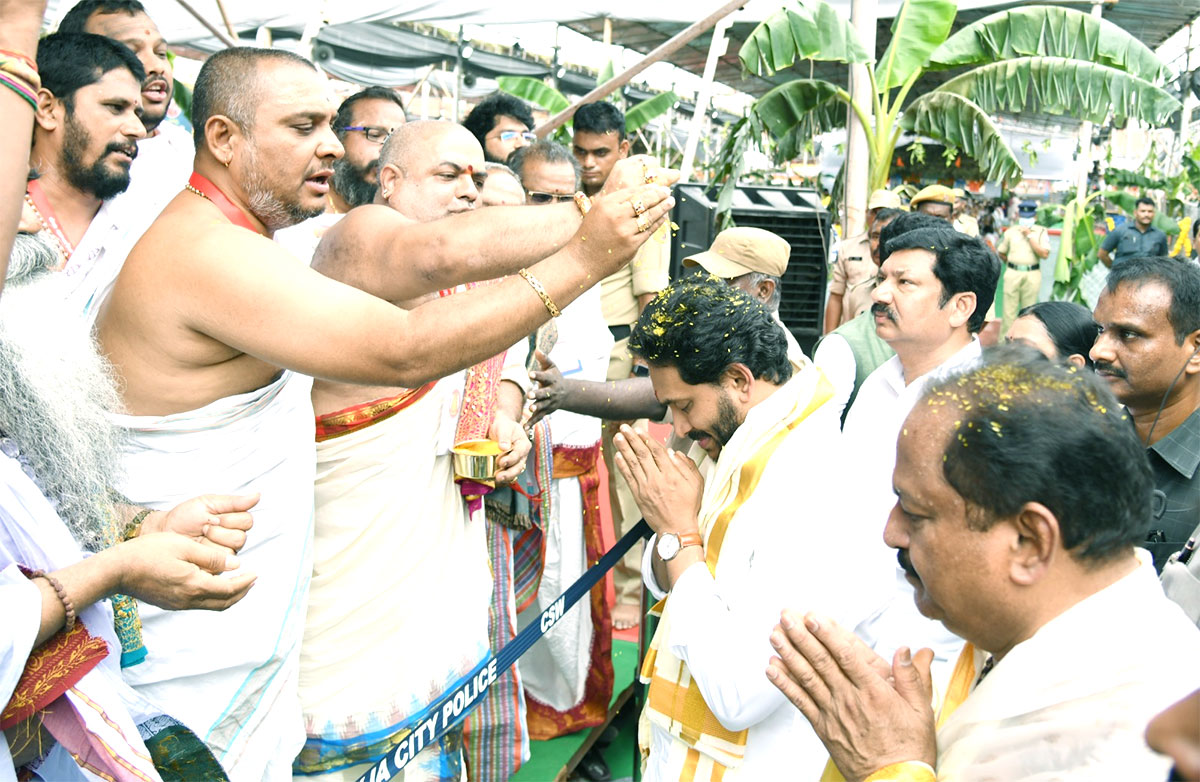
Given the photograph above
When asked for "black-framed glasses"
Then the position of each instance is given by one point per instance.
(508, 135)
(374, 133)
(538, 197)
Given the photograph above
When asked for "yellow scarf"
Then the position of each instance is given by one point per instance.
(957, 691)
(673, 701)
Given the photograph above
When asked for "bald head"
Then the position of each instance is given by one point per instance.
(429, 169)
(416, 143)
(231, 84)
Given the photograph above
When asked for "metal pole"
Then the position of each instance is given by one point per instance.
(668, 47)
(222, 36)
(857, 183)
(225, 19)
(458, 74)
(716, 50)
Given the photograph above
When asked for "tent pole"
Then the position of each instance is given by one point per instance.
(225, 18)
(221, 36)
(715, 50)
(665, 50)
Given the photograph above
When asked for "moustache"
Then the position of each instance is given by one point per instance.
(698, 435)
(125, 149)
(879, 308)
(906, 563)
(1106, 368)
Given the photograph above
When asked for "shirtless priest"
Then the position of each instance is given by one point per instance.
(213, 327)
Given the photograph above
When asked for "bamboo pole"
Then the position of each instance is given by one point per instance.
(666, 49)
(221, 35)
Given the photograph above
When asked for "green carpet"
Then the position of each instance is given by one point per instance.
(547, 758)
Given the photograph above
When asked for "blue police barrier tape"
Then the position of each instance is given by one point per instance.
(432, 722)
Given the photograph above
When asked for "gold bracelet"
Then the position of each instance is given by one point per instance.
(551, 307)
(583, 202)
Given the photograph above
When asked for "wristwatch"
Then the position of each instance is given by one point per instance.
(669, 544)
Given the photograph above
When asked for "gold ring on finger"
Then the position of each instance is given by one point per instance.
(648, 176)
(643, 223)
(638, 207)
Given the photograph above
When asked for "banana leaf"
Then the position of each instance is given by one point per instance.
(1056, 85)
(794, 112)
(956, 121)
(1049, 31)
(535, 91)
(639, 115)
(918, 29)
(805, 30)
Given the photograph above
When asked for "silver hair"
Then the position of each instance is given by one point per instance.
(546, 151)
(772, 304)
(31, 256)
(56, 392)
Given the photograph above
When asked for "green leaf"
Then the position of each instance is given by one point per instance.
(1120, 177)
(794, 112)
(535, 91)
(183, 99)
(919, 28)
(639, 115)
(956, 121)
(807, 30)
(1072, 88)
(1049, 31)
(606, 73)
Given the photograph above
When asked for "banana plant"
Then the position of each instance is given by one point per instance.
(1035, 59)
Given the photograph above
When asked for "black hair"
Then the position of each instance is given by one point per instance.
(701, 326)
(1145, 200)
(599, 117)
(482, 118)
(1180, 277)
(545, 151)
(77, 18)
(345, 112)
(1071, 327)
(1032, 430)
(905, 222)
(886, 214)
(228, 85)
(961, 263)
(68, 61)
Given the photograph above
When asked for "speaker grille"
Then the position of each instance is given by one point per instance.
(794, 214)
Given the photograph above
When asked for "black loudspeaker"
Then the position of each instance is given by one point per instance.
(794, 214)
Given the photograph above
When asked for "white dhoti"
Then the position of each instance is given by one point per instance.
(401, 584)
(231, 676)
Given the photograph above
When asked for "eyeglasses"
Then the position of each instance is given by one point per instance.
(374, 134)
(538, 197)
(508, 135)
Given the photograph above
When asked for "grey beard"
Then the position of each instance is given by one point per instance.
(350, 184)
(56, 391)
(274, 212)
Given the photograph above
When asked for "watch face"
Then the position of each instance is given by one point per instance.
(668, 546)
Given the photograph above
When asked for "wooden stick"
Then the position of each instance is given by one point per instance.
(225, 18)
(664, 50)
(221, 36)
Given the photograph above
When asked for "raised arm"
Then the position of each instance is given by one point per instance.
(614, 400)
(20, 23)
(376, 248)
(291, 316)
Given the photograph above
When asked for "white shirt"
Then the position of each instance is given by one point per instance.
(836, 358)
(779, 552)
(301, 240)
(157, 175)
(1072, 701)
(870, 433)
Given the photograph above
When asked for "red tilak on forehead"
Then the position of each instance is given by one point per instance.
(470, 170)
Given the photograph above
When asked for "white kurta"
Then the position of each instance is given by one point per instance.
(231, 676)
(1073, 701)
(787, 547)
(872, 428)
(33, 536)
(157, 175)
(554, 671)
